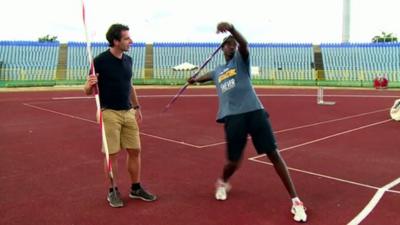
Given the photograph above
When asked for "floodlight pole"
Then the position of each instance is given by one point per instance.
(346, 21)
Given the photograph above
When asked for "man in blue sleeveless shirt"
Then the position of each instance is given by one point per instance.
(243, 114)
(120, 108)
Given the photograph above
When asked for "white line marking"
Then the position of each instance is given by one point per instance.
(59, 113)
(318, 175)
(92, 121)
(373, 202)
(212, 145)
(363, 96)
(334, 135)
(327, 137)
(330, 121)
(322, 175)
(170, 140)
(183, 143)
(260, 95)
(69, 98)
(224, 142)
(316, 124)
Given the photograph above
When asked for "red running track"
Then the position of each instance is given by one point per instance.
(340, 157)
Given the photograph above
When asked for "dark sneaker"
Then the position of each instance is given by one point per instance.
(142, 194)
(114, 199)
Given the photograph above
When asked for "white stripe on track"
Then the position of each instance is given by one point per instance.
(309, 125)
(329, 136)
(330, 121)
(187, 144)
(59, 113)
(221, 143)
(92, 121)
(334, 135)
(318, 175)
(69, 98)
(260, 95)
(170, 140)
(322, 175)
(373, 202)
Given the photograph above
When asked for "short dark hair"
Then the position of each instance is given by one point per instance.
(228, 39)
(114, 33)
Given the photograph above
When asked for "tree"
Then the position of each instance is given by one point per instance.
(48, 38)
(384, 37)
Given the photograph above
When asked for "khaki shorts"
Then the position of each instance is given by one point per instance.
(121, 128)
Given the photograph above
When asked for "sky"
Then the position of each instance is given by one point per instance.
(288, 21)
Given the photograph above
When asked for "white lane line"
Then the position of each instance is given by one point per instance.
(319, 175)
(330, 121)
(260, 95)
(92, 121)
(219, 143)
(324, 176)
(72, 98)
(335, 135)
(171, 140)
(214, 144)
(308, 125)
(329, 136)
(373, 202)
(183, 143)
(363, 96)
(59, 113)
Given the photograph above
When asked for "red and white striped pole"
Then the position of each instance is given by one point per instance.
(99, 115)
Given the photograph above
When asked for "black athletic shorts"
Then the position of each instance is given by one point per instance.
(257, 125)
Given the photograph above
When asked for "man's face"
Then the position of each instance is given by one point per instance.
(229, 48)
(125, 41)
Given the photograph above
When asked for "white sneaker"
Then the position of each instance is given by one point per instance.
(222, 189)
(299, 212)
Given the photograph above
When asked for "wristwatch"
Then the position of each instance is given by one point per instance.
(136, 107)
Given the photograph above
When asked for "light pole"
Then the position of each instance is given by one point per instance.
(346, 21)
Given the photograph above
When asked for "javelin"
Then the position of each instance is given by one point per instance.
(193, 76)
(97, 98)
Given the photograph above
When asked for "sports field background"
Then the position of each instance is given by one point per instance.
(30, 63)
